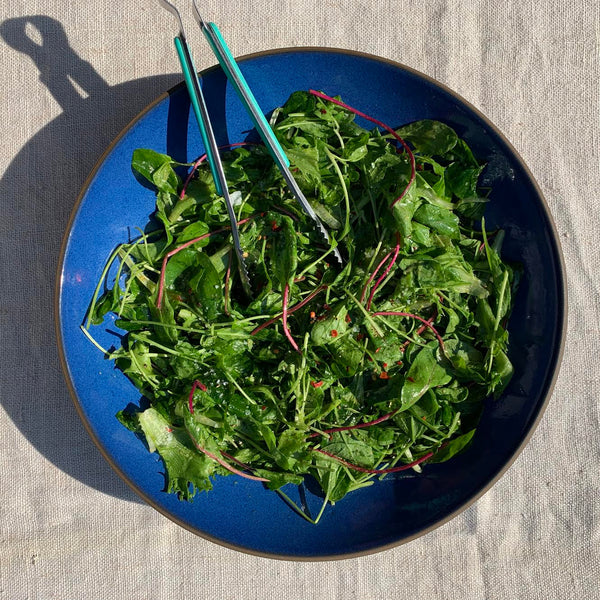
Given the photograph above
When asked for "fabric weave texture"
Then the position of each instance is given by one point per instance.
(72, 75)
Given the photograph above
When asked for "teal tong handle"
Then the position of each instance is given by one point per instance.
(237, 79)
(199, 105)
(212, 151)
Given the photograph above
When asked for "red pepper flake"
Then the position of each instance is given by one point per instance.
(384, 375)
(274, 226)
(262, 214)
(334, 333)
(275, 350)
(360, 336)
(316, 384)
(348, 319)
(377, 350)
(419, 167)
(399, 363)
(323, 111)
(263, 407)
(313, 314)
(169, 430)
(326, 306)
(410, 379)
(384, 365)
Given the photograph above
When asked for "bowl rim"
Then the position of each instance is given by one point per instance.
(555, 363)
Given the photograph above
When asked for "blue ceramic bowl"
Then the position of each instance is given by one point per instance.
(242, 514)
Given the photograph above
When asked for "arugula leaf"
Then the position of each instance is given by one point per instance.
(445, 222)
(462, 181)
(285, 255)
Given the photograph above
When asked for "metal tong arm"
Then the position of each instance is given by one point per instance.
(196, 96)
(208, 137)
(212, 150)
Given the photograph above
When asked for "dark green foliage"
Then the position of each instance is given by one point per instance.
(262, 404)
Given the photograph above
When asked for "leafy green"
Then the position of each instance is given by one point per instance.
(396, 352)
(431, 138)
(424, 373)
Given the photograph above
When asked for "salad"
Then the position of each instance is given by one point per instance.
(346, 375)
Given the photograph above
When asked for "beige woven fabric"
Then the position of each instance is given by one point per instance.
(71, 76)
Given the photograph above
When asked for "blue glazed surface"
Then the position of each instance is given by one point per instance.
(241, 513)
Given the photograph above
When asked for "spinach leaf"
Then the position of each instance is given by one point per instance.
(424, 373)
(156, 168)
(432, 138)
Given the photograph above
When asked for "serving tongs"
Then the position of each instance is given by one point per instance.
(236, 78)
(208, 136)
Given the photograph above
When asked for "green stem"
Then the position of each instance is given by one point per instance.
(111, 259)
(89, 336)
(316, 262)
(340, 175)
(497, 319)
(296, 508)
(368, 317)
(144, 340)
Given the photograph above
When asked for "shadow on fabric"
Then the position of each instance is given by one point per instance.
(37, 193)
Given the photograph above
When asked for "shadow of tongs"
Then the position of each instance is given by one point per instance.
(236, 78)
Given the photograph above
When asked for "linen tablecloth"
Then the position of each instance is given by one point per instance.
(71, 76)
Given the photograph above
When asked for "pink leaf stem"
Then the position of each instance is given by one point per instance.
(375, 471)
(421, 329)
(391, 313)
(196, 385)
(284, 316)
(358, 426)
(291, 310)
(228, 466)
(373, 274)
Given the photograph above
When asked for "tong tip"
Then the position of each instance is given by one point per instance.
(243, 270)
(197, 15)
(325, 236)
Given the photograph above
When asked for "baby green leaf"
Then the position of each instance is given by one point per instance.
(424, 373)
(432, 138)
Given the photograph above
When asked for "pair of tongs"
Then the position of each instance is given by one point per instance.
(234, 75)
